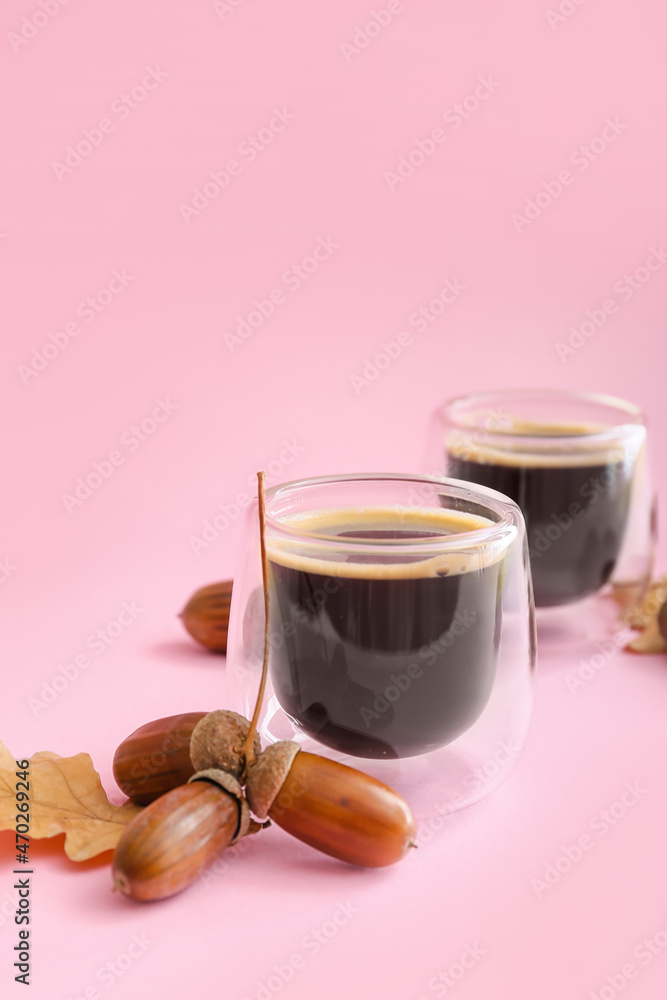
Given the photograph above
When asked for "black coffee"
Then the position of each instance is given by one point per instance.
(575, 514)
(385, 659)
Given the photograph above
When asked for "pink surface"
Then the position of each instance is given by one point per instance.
(504, 104)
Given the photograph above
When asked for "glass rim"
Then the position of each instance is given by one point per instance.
(632, 411)
(507, 511)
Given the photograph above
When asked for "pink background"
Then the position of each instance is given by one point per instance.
(218, 76)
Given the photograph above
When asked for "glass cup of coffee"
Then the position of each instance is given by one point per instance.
(401, 630)
(576, 465)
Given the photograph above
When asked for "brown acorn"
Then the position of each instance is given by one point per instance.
(662, 620)
(156, 757)
(167, 845)
(334, 808)
(206, 615)
(164, 754)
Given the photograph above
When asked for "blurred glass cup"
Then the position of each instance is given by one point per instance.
(576, 465)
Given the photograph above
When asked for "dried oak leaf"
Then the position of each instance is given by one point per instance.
(646, 610)
(66, 796)
(648, 641)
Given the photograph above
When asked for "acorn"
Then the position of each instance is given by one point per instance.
(662, 620)
(156, 757)
(206, 615)
(333, 808)
(164, 754)
(167, 845)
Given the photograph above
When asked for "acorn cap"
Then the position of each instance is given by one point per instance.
(267, 774)
(228, 784)
(218, 741)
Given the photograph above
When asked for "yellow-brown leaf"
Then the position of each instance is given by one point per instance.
(66, 796)
(648, 641)
(645, 610)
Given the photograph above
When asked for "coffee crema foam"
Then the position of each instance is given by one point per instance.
(593, 455)
(533, 428)
(436, 523)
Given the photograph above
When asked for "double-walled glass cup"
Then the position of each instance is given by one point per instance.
(401, 630)
(576, 465)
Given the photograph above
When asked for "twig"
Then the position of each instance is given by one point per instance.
(249, 747)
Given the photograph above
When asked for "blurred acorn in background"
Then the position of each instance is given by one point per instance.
(206, 615)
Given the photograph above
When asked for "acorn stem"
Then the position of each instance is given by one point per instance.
(255, 827)
(249, 747)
